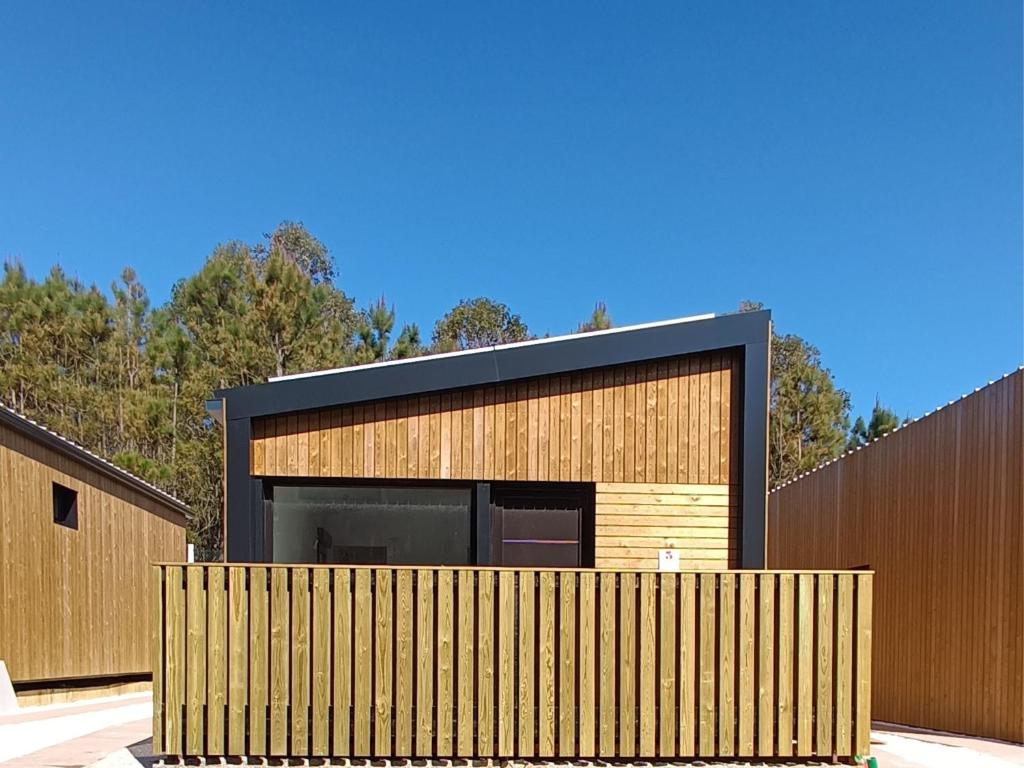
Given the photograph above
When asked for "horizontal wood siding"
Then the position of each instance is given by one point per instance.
(937, 509)
(502, 663)
(669, 421)
(76, 603)
(634, 521)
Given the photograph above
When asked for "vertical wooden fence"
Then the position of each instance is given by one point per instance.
(375, 661)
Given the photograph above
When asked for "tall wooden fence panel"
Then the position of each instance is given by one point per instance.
(374, 661)
(937, 510)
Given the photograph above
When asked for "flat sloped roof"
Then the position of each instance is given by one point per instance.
(496, 364)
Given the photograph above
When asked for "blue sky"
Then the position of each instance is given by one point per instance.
(854, 166)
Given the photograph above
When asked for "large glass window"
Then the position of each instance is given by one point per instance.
(370, 524)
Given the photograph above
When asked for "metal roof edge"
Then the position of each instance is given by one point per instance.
(50, 439)
(520, 360)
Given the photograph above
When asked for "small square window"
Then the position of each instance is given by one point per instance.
(65, 506)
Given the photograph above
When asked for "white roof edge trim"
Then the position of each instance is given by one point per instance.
(482, 350)
(824, 464)
(129, 476)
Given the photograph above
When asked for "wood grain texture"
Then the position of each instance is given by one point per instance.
(76, 603)
(336, 661)
(633, 521)
(935, 509)
(576, 427)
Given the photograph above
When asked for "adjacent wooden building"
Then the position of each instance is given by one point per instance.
(77, 537)
(593, 449)
(936, 508)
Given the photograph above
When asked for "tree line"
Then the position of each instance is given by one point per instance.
(129, 380)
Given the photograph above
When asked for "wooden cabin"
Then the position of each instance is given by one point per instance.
(77, 536)
(628, 448)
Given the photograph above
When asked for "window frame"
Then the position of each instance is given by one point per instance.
(64, 505)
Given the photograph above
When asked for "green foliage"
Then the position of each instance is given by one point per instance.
(600, 320)
(130, 382)
(408, 344)
(373, 332)
(475, 323)
(809, 414)
(883, 421)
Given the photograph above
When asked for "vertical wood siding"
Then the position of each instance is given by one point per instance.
(668, 421)
(937, 509)
(483, 663)
(76, 603)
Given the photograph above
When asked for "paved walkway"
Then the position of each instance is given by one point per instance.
(897, 746)
(67, 735)
(115, 733)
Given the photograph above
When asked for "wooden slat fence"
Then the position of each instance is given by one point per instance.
(435, 662)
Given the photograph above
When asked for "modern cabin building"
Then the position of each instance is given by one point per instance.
(602, 449)
(77, 537)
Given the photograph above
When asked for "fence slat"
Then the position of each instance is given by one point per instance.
(627, 665)
(467, 646)
(321, 661)
(362, 602)
(667, 654)
(527, 657)
(156, 649)
(648, 649)
(506, 663)
(785, 697)
(766, 667)
(546, 670)
(567, 664)
(424, 662)
(747, 662)
(384, 624)
(300, 672)
(216, 650)
(259, 661)
(727, 664)
(687, 664)
(485, 665)
(823, 713)
(174, 678)
(844, 664)
(341, 736)
(587, 669)
(445, 641)
(297, 661)
(805, 664)
(238, 648)
(279, 635)
(195, 660)
(708, 625)
(403, 663)
(864, 602)
(607, 651)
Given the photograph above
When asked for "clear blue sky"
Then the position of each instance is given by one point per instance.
(854, 166)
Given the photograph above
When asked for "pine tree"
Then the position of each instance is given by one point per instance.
(374, 332)
(882, 422)
(600, 320)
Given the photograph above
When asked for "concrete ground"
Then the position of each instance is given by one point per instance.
(115, 733)
(76, 734)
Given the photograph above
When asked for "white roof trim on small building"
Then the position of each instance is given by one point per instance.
(74, 450)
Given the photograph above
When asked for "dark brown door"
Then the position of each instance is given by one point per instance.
(537, 527)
